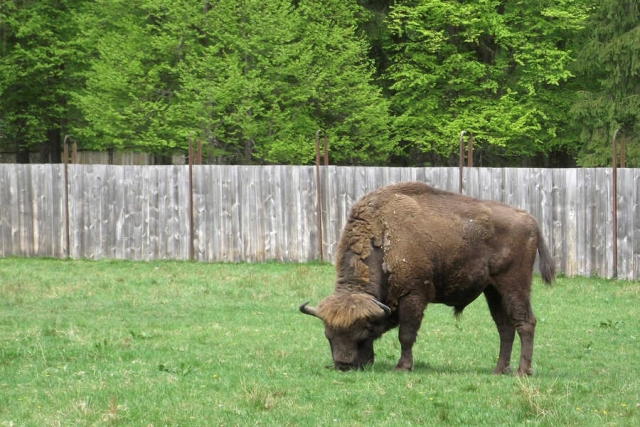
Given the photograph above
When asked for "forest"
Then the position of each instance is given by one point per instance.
(535, 83)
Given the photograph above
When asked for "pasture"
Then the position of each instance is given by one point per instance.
(86, 343)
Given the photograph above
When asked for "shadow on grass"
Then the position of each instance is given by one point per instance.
(427, 368)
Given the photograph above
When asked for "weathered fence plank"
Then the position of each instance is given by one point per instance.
(32, 211)
(625, 235)
(635, 227)
(561, 235)
(256, 213)
(128, 212)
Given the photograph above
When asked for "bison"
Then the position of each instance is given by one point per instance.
(407, 245)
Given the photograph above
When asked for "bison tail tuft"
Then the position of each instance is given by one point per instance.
(547, 263)
(457, 311)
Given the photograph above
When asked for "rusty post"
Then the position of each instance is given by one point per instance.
(65, 150)
(318, 187)
(614, 195)
(461, 165)
(191, 232)
(74, 152)
(65, 158)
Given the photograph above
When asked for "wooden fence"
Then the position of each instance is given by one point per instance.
(264, 213)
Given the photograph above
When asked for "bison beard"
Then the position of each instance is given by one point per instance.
(407, 245)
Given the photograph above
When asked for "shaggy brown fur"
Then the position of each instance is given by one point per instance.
(343, 310)
(408, 244)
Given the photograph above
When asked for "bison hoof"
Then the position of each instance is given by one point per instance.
(403, 368)
(524, 372)
(502, 370)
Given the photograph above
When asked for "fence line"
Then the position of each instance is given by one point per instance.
(264, 213)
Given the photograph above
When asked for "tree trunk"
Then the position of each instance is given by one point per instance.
(50, 151)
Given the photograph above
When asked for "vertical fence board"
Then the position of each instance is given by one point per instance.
(546, 207)
(7, 187)
(260, 215)
(272, 212)
(25, 232)
(248, 217)
(151, 248)
(583, 225)
(472, 182)
(76, 214)
(162, 206)
(635, 218)
(556, 238)
(58, 211)
(231, 195)
(214, 235)
(201, 213)
(390, 175)
(332, 202)
(308, 215)
(290, 180)
(625, 224)
(602, 244)
(326, 206)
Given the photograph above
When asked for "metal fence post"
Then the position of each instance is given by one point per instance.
(319, 185)
(191, 232)
(67, 231)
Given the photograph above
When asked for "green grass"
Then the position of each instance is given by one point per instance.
(180, 344)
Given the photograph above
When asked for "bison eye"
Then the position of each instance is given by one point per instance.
(363, 336)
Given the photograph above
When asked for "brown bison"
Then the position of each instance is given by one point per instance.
(407, 245)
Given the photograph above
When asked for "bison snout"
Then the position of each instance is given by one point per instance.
(342, 366)
(339, 366)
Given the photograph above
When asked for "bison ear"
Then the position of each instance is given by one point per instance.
(309, 310)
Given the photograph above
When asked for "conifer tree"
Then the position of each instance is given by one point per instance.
(609, 69)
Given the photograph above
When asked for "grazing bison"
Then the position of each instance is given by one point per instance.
(407, 245)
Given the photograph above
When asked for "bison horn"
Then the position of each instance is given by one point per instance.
(385, 308)
(309, 310)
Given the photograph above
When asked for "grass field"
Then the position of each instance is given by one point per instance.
(180, 344)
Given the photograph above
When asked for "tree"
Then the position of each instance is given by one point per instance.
(38, 61)
(609, 67)
(268, 75)
(131, 79)
(496, 69)
(253, 80)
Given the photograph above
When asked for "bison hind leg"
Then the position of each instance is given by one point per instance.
(506, 328)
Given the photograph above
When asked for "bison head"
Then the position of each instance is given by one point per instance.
(351, 323)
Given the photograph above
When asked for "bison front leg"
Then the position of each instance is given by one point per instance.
(410, 311)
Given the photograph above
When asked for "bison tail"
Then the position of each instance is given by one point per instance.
(457, 311)
(547, 264)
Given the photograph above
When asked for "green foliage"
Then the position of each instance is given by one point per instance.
(169, 343)
(131, 80)
(37, 62)
(253, 80)
(496, 69)
(609, 67)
